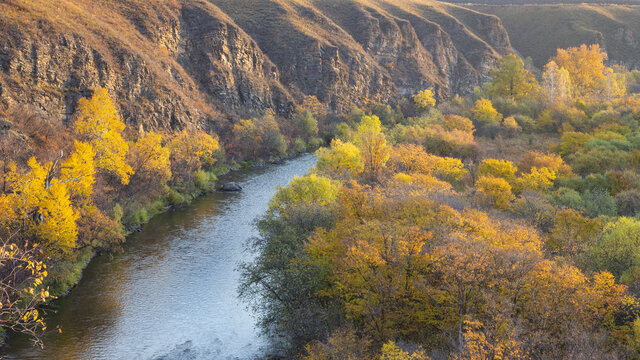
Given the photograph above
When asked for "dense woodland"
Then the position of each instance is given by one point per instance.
(502, 225)
(497, 225)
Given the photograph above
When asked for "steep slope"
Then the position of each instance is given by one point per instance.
(178, 63)
(538, 30)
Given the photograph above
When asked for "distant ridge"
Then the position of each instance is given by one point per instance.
(538, 30)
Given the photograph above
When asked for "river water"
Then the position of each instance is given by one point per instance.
(172, 293)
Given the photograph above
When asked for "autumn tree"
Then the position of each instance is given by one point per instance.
(535, 180)
(572, 233)
(498, 168)
(424, 100)
(495, 190)
(308, 189)
(259, 138)
(341, 160)
(457, 122)
(511, 79)
(414, 159)
(485, 114)
(43, 203)
(556, 83)
(22, 274)
(151, 163)
(553, 162)
(99, 124)
(373, 145)
(191, 151)
(586, 68)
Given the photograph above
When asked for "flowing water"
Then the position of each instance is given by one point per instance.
(172, 293)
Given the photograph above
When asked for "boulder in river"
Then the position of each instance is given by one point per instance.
(231, 187)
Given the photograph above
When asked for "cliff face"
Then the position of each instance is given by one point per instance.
(173, 64)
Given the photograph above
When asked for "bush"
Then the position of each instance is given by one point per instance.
(569, 198)
(495, 191)
(175, 198)
(527, 123)
(599, 203)
(628, 202)
(299, 145)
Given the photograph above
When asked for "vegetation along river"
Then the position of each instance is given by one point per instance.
(172, 293)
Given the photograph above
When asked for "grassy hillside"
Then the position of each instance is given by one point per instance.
(538, 30)
(540, 2)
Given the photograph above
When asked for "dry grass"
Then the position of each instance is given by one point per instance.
(514, 149)
(538, 30)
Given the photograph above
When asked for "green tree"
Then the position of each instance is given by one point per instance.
(617, 250)
(511, 79)
(306, 124)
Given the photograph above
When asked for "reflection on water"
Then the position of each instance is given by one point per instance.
(172, 294)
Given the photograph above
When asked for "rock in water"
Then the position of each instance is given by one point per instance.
(231, 187)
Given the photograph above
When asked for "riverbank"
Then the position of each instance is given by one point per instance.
(183, 265)
(67, 274)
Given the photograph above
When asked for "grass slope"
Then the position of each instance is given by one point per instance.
(538, 30)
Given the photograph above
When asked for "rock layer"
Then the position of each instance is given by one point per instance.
(181, 63)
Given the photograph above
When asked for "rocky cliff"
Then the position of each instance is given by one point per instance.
(177, 63)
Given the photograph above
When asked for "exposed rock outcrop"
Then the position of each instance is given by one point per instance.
(190, 63)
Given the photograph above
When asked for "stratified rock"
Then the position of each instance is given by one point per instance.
(194, 63)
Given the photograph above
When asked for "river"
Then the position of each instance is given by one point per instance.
(172, 292)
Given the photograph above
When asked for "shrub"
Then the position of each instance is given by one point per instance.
(495, 191)
(628, 202)
(599, 203)
(569, 198)
(485, 114)
(498, 168)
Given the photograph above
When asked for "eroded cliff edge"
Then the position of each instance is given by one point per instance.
(173, 64)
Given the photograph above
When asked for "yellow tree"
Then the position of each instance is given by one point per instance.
(305, 190)
(485, 114)
(373, 146)
(99, 124)
(498, 168)
(536, 179)
(496, 190)
(556, 83)
(342, 160)
(21, 290)
(585, 65)
(150, 161)
(41, 199)
(390, 351)
(192, 150)
(424, 100)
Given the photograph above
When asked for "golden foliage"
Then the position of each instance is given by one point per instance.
(191, 151)
(484, 112)
(99, 123)
(342, 160)
(496, 190)
(424, 100)
(373, 146)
